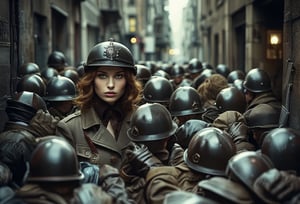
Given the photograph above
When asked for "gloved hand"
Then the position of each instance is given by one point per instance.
(176, 156)
(141, 159)
(108, 171)
(43, 124)
(90, 193)
(91, 172)
(280, 184)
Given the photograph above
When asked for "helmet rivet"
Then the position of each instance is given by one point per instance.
(196, 158)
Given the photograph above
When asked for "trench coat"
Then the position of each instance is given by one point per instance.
(91, 139)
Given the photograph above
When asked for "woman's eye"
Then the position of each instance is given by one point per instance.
(119, 76)
(101, 76)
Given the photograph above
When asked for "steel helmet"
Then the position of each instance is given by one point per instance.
(223, 70)
(161, 73)
(257, 81)
(71, 74)
(225, 191)
(33, 83)
(185, 101)
(194, 66)
(158, 89)
(202, 76)
(54, 160)
(235, 74)
(143, 73)
(238, 83)
(48, 73)
(247, 166)
(60, 88)
(29, 68)
(209, 151)
(110, 54)
(176, 71)
(57, 60)
(282, 146)
(151, 122)
(23, 106)
(231, 99)
(262, 116)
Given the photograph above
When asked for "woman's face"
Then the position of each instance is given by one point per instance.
(110, 84)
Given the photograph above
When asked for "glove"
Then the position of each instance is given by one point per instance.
(107, 171)
(43, 124)
(141, 159)
(280, 184)
(238, 132)
(91, 172)
(90, 193)
(176, 156)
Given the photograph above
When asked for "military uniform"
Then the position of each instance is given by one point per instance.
(91, 139)
(163, 180)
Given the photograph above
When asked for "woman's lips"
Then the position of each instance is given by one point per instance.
(109, 94)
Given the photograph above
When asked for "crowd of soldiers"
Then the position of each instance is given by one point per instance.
(178, 133)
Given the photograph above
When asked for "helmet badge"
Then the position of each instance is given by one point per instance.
(111, 51)
(196, 158)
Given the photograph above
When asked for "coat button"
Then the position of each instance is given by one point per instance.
(87, 153)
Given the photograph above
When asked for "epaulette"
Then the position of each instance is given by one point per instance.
(71, 116)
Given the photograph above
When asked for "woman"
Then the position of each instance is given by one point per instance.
(107, 96)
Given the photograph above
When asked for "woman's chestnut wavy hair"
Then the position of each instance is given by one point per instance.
(87, 95)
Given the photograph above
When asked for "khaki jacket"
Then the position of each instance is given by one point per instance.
(163, 180)
(100, 147)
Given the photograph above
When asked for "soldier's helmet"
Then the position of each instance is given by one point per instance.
(143, 73)
(29, 68)
(282, 146)
(57, 60)
(158, 89)
(176, 71)
(185, 100)
(48, 73)
(110, 54)
(33, 83)
(194, 66)
(60, 88)
(209, 151)
(235, 74)
(23, 106)
(71, 74)
(151, 122)
(231, 99)
(247, 166)
(222, 69)
(257, 81)
(54, 160)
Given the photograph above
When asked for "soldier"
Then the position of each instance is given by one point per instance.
(143, 73)
(57, 60)
(223, 70)
(206, 156)
(60, 92)
(28, 111)
(185, 104)
(151, 130)
(177, 74)
(108, 94)
(194, 68)
(55, 176)
(260, 120)
(208, 92)
(158, 90)
(258, 90)
(33, 83)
